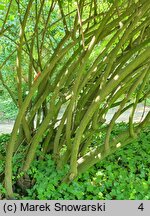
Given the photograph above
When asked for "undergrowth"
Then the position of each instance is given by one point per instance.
(124, 175)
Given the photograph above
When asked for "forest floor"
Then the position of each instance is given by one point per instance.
(141, 111)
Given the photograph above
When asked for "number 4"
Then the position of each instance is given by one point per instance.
(141, 207)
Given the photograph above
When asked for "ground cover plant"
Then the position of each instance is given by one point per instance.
(65, 64)
(124, 175)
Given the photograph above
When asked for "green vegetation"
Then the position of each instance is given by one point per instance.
(148, 102)
(64, 65)
(8, 110)
(124, 175)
